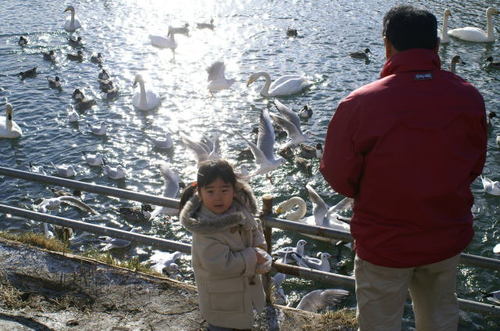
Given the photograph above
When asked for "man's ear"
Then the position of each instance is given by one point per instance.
(388, 48)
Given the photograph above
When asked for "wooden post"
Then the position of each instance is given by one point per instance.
(267, 210)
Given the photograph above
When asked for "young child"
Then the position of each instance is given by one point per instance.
(219, 212)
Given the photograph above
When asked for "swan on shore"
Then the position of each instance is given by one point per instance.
(72, 22)
(443, 34)
(144, 99)
(9, 128)
(285, 85)
(475, 34)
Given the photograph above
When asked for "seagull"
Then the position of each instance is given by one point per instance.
(298, 249)
(170, 190)
(98, 129)
(494, 297)
(279, 294)
(163, 262)
(165, 143)
(216, 79)
(64, 171)
(206, 149)
(55, 203)
(290, 122)
(320, 299)
(490, 186)
(94, 160)
(114, 173)
(328, 216)
(73, 116)
(322, 264)
(496, 249)
(263, 151)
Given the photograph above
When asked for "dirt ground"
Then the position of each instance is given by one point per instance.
(44, 290)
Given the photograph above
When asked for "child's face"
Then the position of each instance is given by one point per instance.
(217, 196)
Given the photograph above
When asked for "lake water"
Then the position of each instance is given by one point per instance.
(249, 36)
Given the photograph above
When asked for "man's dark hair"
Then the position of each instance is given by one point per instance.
(408, 27)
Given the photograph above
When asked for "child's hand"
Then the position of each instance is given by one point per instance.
(264, 261)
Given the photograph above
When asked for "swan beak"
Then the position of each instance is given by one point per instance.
(279, 210)
(135, 83)
(250, 81)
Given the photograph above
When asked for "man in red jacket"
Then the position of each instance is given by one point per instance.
(406, 148)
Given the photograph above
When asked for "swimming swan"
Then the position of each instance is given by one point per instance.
(9, 128)
(285, 85)
(443, 34)
(475, 34)
(164, 42)
(144, 100)
(72, 22)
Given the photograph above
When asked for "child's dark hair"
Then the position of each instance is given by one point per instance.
(208, 172)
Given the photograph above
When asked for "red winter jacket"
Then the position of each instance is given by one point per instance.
(406, 148)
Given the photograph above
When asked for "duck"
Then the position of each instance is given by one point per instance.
(110, 90)
(8, 128)
(306, 112)
(291, 32)
(64, 171)
(454, 61)
(136, 213)
(28, 73)
(144, 99)
(115, 173)
(489, 118)
(311, 152)
(73, 116)
(72, 23)
(49, 56)
(477, 35)
(98, 129)
(81, 102)
(93, 160)
(490, 64)
(206, 25)
(62, 193)
(75, 42)
(444, 38)
(103, 76)
(216, 77)
(96, 58)
(54, 82)
(179, 30)
(283, 86)
(75, 57)
(23, 41)
(360, 55)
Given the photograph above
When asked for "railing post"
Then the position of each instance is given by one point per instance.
(267, 210)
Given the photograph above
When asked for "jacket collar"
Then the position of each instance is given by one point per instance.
(417, 59)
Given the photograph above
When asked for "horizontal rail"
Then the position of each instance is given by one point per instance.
(98, 229)
(88, 187)
(467, 259)
(349, 282)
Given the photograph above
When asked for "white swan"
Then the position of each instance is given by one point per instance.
(285, 85)
(164, 42)
(216, 78)
(144, 99)
(443, 34)
(475, 34)
(72, 22)
(9, 128)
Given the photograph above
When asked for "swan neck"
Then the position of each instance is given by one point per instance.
(265, 90)
(8, 120)
(72, 22)
(295, 202)
(489, 27)
(143, 100)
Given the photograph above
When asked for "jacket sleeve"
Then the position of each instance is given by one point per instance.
(218, 259)
(341, 164)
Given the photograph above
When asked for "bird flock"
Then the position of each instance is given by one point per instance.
(274, 122)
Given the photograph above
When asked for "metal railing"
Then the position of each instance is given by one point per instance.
(268, 222)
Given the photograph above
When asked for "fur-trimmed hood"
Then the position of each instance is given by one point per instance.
(195, 218)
